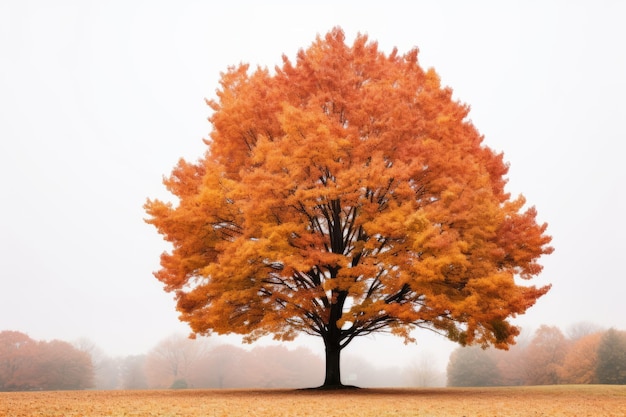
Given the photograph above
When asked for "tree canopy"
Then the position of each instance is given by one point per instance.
(344, 194)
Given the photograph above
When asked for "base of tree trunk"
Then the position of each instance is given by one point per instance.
(333, 387)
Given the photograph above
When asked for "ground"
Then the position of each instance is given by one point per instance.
(574, 400)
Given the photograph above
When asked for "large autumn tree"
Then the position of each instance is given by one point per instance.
(344, 194)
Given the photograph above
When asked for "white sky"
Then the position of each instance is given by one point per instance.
(99, 99)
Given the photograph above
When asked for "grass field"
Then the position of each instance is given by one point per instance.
(576, 400)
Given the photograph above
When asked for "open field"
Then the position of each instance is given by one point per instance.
(578, 400)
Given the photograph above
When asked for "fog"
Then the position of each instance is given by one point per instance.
(98, 100)
(585, 353)
(547, 355)
(179, 362)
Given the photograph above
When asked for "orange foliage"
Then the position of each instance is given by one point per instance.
(544, 356)
(345, 194)
(579, 365)
(18, 367)
(63, 367)
(26, 364)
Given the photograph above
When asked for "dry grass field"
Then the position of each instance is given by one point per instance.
(576, 401)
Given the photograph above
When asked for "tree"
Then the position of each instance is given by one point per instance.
(581, 361)
(279, 367)
(343, 195)
(17, 361)
(226, 367)
(175, 358)
(611, 366)
(424, 373)
(63, 367)
(27, 364)
(108, 373)
(581, 329)
(132, 372)
(105, 369)
(472, 367)
(544, 356)
(512, 365)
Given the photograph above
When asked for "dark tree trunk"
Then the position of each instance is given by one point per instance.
(332, 339)
(332, 342)
(332, 380)
(333, 370)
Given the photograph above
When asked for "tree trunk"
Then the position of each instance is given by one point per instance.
(333, 370)
(332, 341)
(332, 380)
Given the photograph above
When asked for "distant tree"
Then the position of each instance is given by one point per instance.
(132, 372)
(512, 365)
(18, 368)
(362, 371)
(611, 367)
(581, 361)
(89, 347)
(108, 373)
(276, 366)
(179, 384)
(106, 369)
(175, 358)
(512, 362)
(26, 364)
(228, 366)
(343, 195)
(225, 367)
(61, 366)
(581, 329)
(424, 373)
(544, 356)
(472, 367)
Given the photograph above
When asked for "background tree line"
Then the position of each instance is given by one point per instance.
(588, 355)
(179, 362)
(28, 365)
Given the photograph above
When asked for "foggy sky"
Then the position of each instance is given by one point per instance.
(98, 100)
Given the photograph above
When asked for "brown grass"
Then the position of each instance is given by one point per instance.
(575, 400)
